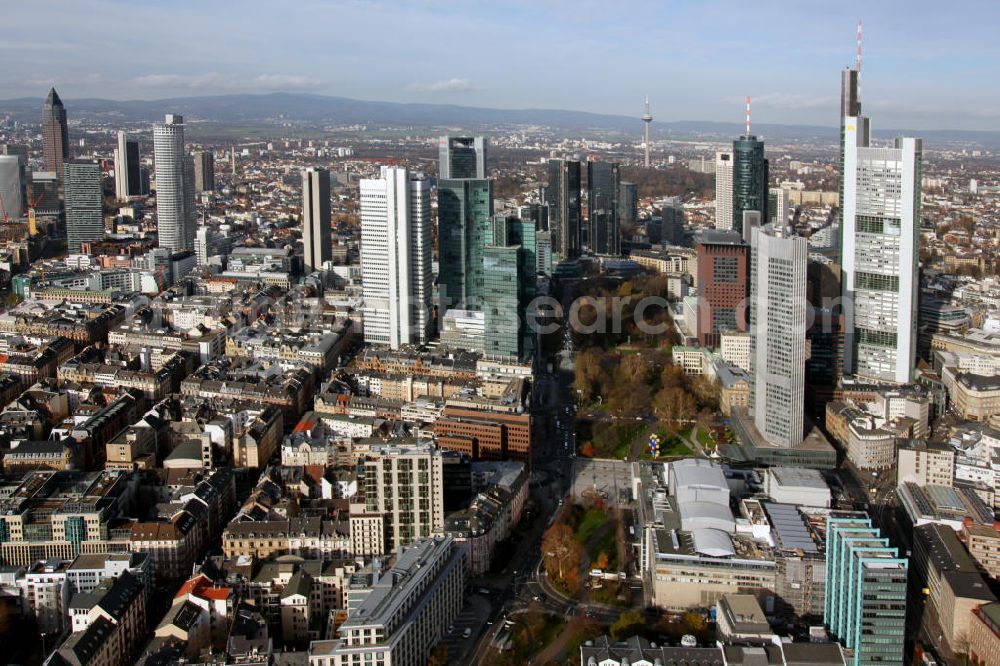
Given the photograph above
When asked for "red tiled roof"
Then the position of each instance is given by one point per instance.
(201, 586)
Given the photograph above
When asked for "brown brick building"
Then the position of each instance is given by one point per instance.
(722, 285)
(485, 434)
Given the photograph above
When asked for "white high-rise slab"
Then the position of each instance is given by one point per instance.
(175, 213)
(778, 333)
(881, 248)
(396, 257)
(724, 190)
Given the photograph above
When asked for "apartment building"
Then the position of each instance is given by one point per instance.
(401, 611)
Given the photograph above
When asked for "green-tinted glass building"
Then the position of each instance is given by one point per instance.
(509, 268)
(502, 266)
(749, 179)
(465, 208)
(865, 592)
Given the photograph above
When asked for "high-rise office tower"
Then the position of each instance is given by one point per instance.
(127, 177)
(749, 179)
(174, 185)
(520, 230)
(722, 285)
(84, 202)
(209, 243)
(865, 605)
(18, 149)
(603, 218)
(537, 213)
(465, 210)
(509, 265)
(543, 248)
(396, 257)
(880, 248)
(777, 206)
(317, 245)
(724, 190)
(628, 203)
(55, 133)
(850, 107)
(462, 157)
(562, 195)
(778, 334)
(12, 186)
(505, 273)
(204, 171)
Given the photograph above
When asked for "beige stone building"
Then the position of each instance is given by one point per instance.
(924, 464)
(984, 635)
(984, 545)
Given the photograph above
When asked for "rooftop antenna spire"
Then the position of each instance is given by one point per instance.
(748, 115)
(857, 60)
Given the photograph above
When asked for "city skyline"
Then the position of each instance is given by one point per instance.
(702, 75)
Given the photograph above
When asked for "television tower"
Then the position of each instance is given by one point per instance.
(647, 118)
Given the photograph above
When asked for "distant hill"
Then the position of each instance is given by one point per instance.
(317, 110)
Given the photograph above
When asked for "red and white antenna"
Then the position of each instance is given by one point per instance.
(748, 115)
(857, 61)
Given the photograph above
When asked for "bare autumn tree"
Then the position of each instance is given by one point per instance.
(562, 553)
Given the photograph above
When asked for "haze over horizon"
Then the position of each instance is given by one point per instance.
(922, 64)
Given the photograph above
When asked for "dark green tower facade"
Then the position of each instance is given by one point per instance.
(563, 198)
(603, 209)
(465, 207)
(510, 265)
(749, 179)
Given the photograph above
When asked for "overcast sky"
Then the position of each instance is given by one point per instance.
(927, 64)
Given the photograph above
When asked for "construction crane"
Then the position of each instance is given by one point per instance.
(3, 211)
(32, 225)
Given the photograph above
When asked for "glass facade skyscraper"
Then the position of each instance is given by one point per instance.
(563, 198)
(749, 179)
(465, 210)
(462, 157)
(628, 203)
(603, 217)
(850, 107)
(880, 248)
(12, 185)
(509, 269)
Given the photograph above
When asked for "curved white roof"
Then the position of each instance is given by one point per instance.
(713, 543)
(701, 515)
(695, 472)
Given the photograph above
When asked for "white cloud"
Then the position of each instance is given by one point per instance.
(226, 83)
(444, 86)
(787, 101)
